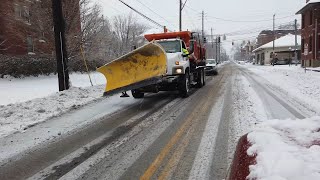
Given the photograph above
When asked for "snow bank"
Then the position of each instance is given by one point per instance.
(286, 149)
(17, 90)
(20, 116)
(304, 87)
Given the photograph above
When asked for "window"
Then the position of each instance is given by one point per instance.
(302, 45)
(26, 14)
(262, 56)
(171, 46)
(303, 20)
(22, 13)
(310, 44)
(318, 42)
(30, 46)
(17, 11)
(311, 18)
(183, 46)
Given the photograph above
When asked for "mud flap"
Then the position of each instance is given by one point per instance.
(141, 67)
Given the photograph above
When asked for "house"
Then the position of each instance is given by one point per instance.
(27, 26)
(310, 33)
(284, 50)
(246, 51)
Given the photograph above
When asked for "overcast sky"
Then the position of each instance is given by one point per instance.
(247, 17)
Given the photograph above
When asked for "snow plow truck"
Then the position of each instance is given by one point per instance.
(171, 61)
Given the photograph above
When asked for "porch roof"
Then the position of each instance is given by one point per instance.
(308, 5)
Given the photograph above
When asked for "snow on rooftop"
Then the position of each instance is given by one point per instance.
(307, 4)
(285, 41)
(313, 1)
(286, 149)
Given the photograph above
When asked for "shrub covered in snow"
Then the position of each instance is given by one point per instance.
(37, 65)
(26, 66)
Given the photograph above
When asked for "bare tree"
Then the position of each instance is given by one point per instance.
(128, 33)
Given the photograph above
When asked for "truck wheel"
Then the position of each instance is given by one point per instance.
(185, 86)
(137, 94)
(201, 79)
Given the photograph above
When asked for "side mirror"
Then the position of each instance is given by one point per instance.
(191, 46)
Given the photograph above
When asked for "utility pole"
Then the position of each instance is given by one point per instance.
(180, 15)
(212, 37)
(296, 41)
(316, 40)
(202, 25)
(274, 34)
(217, 49)
(212, 43)
(60, 45)
(274, 37)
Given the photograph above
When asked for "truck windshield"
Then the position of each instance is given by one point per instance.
(171, 46)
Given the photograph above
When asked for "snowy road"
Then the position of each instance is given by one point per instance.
(161, 137)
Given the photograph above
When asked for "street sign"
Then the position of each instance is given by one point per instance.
(306, 49)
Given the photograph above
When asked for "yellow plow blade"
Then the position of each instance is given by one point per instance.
(141, 67)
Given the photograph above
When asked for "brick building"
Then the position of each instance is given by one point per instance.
(310, 42)
(267, 36)
(26, 26)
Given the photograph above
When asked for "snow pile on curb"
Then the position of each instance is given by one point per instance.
(305, 87)
(286, 149)
(20, 116)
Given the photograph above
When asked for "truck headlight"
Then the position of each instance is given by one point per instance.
(179, 71)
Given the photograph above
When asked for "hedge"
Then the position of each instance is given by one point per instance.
(34, 66)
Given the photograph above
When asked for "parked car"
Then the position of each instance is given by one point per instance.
(211, 67)
(281, 61)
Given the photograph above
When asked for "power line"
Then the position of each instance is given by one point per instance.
(189, 17)
(184, 4)
(146, 17)
(248, 21)
(154, 12)
(230, 20)
(249, 31)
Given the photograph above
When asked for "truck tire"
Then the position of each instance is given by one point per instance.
(137, 94)
(204, 77)
(201, 79)
(185, 86)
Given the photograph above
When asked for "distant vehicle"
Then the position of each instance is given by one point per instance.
(281, 61)
(296, 62)
(241, 62)
(211, 67)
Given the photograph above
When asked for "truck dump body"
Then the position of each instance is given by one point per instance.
(184, 35)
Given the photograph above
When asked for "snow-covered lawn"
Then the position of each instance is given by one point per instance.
(305, 87)
(13, 90)
(19, 116)
(286, 149)
(28, 101)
